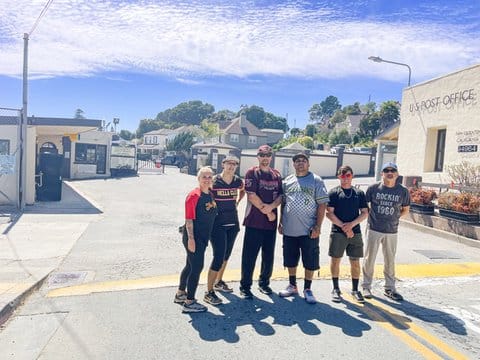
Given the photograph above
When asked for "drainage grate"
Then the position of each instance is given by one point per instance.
(66, 279)
(439, 254)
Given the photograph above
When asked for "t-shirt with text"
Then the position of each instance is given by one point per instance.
(268, 186)
(385, 206)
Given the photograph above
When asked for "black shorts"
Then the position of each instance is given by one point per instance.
(339, 243)
(293, 245)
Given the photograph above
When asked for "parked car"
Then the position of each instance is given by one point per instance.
(361, 150)
(334, 149)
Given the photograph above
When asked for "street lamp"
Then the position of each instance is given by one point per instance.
(378, 59)
(115, 123)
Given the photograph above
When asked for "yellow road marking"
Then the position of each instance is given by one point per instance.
(402, 334)
(420, 332)
(402, 271)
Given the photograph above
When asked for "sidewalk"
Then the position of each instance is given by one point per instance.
(34, 243)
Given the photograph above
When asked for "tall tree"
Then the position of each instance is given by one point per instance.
(310, 130)
(147, 125)
(79, 114)
(255, 114)
(222, 115)
(389, 113)
(320, 113)
(181, 142)
(352, 109)
(188, 113)
(275, 122)
(125, 134)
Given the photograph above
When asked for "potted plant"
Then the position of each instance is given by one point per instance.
(422, 200)
(460, 206)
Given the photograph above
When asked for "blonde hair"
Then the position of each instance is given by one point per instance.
(204, 169)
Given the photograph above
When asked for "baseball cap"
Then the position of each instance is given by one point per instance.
(299, 155)
(231, 158)
(264, 149)
(389, 165)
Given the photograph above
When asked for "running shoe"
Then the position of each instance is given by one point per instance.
(223, 287)
(265, 289)
(358, 296)
(193, 307)
(367, 293)
(246, 293)
(309, 298)
(336, 295)
(392, 294)
(288, 291)
(180, 298)
(212, 298)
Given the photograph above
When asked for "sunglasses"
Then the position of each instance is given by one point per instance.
(264, 155)
(208, 177)
(389, 171)
(345, 176)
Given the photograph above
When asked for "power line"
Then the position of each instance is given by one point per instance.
(45, 8)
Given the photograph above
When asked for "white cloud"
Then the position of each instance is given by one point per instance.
(185, 40)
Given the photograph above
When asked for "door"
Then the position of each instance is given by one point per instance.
(50, 186)
(101, 159)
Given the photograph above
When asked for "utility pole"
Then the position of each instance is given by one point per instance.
(23, 128)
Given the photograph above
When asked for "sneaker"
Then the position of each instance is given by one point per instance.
(336, 295)
(223, 287)
(193, 307)
(212, 298)
(288, 291)
(392, 294)
(367, 293)
(265, 289)
(358, 296)
(180, 298)
(246, 293)
(309, 298)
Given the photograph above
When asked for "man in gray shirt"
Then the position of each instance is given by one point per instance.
(388, 202)
(303, 209)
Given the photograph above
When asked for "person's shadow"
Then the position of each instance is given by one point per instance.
(258, 314)
(426, 314)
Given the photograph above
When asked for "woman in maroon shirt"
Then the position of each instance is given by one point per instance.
(200, 213)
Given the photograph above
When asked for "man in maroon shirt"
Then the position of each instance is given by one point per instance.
(263, 186)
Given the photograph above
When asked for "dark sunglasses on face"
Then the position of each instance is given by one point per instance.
(389, 171)
(346, 176)
(208, 177)
(264, 155)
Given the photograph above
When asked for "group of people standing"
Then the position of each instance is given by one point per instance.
(211, 215)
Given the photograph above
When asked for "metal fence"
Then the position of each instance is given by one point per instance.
(9, 156)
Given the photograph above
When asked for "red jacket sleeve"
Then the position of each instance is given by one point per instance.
(191, 203)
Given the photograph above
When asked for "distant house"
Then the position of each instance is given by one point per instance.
(242, 134)
(273, 135)
(351, 123)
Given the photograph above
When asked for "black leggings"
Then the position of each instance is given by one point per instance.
(190, 274)
(223, 238)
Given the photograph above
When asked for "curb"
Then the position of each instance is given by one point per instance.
(8, 309)
(441, 233)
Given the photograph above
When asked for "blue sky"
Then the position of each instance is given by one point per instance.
(133, 59)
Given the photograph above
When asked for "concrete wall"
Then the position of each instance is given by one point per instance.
(360, 163)
(450, 102)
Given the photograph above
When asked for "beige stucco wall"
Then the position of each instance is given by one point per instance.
(85, 171)
(450, 102)
(9, 182)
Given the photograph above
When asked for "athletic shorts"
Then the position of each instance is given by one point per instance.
(339, 243)
(308, 247)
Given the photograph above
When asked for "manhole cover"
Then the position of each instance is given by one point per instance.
(439, 254)
(66, 278)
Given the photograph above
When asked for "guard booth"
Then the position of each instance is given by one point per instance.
(49, 170)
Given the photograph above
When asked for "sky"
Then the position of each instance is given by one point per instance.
(132, 59)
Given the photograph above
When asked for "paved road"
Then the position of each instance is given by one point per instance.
(123, 269)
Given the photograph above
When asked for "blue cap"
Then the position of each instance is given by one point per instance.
(389, 165)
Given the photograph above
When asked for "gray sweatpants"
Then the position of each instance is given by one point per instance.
(389, 248)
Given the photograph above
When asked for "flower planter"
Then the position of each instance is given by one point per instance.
(422, 209)
(451, 214)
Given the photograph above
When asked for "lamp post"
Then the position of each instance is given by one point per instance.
(378, 59)
(116, 121)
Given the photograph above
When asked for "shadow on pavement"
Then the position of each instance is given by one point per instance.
(285, 312)
(448, 321)
(71, 203)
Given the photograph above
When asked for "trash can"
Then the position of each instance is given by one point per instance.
(158, 164)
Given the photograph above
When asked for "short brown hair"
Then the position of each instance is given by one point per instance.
(344, 169)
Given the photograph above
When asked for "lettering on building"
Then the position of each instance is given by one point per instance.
(466, 97)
